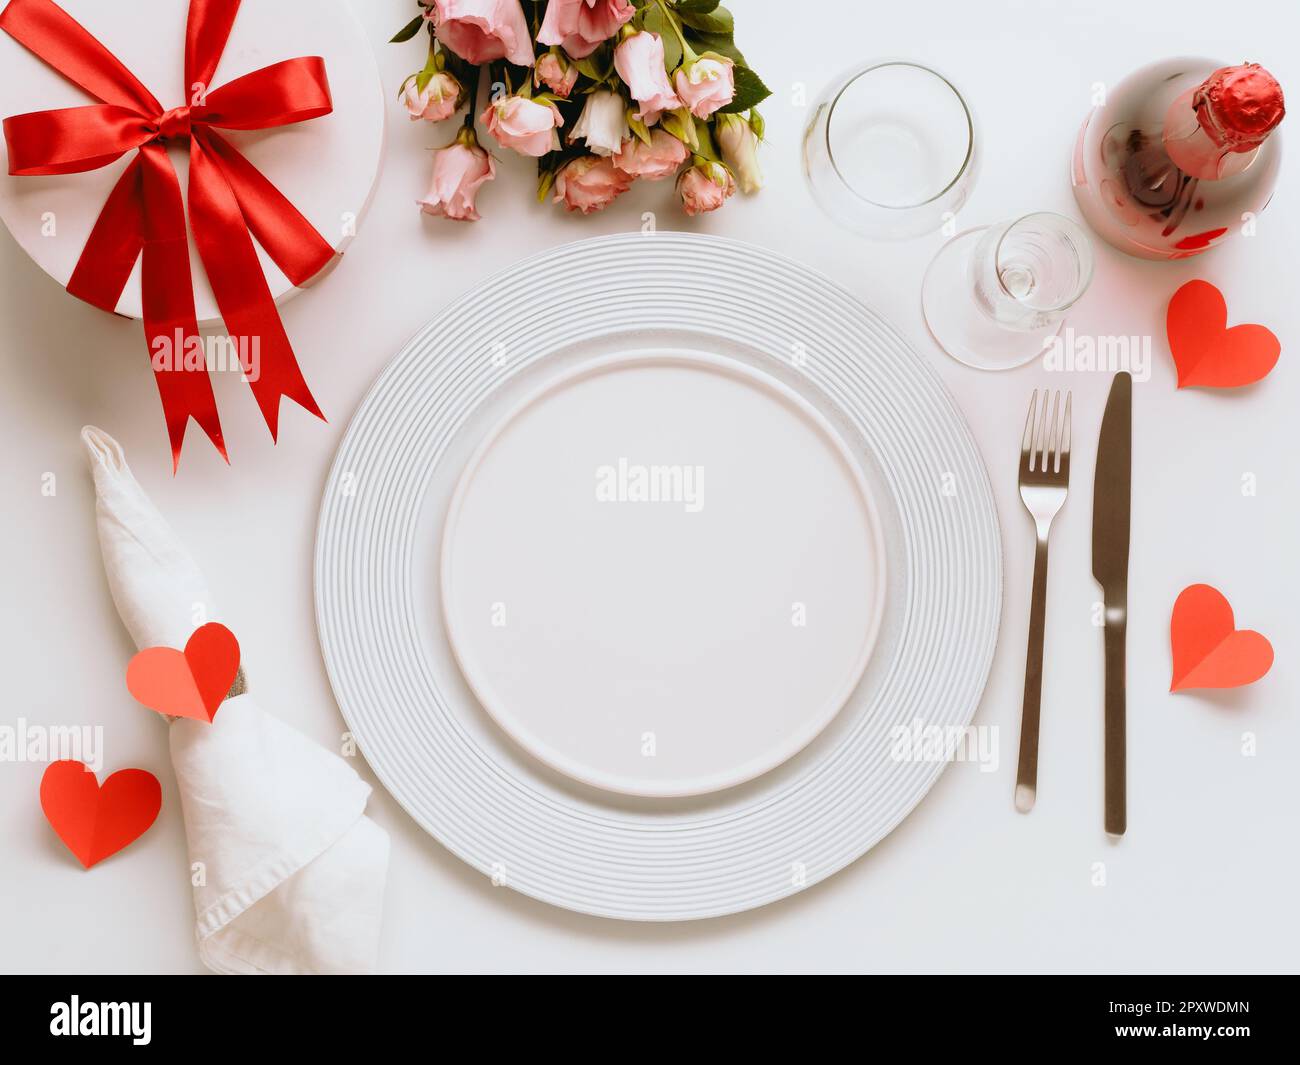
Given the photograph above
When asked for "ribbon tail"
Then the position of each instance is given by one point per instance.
(175, 346)
(292, 242)
(235, 273)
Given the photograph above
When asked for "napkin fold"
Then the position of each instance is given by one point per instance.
(288, 872)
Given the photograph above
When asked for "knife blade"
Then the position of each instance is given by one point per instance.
(1111, 504)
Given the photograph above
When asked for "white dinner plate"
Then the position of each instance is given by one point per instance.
(448, 393)
(661, 574)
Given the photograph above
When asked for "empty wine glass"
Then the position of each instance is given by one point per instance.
(994, 297)
(890, 150)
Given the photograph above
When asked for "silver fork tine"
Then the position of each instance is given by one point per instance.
(1028, 440)
(1065, 433)
(1037, 447)
(1052, 459)
(1041, 448)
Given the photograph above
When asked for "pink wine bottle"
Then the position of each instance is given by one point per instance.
(1182, 154)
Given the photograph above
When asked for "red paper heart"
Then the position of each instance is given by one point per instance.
(98, 821)
(1209, 354)
(190, 683)
(1209, 651)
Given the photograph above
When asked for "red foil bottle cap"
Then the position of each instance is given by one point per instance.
(1239, 106)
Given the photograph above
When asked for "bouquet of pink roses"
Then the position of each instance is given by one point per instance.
(600, 92)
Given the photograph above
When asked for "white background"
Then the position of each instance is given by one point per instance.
(1206, 878)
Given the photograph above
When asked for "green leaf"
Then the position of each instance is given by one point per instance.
(638, 127)
(750, 91)
(705, 147)
(721, 43)
(545, 181)
(681, 124)
(702, 7)
(408, 31)
(718, 20)
(593, 67)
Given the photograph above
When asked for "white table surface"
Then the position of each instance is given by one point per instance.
(1206, 878)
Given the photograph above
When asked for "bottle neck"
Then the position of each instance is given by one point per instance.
(1194, 148)
(1217, 128)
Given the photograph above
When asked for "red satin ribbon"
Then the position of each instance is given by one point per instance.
(230, 201)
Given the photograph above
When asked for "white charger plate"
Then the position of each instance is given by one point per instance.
(384, 638)
(661, 574)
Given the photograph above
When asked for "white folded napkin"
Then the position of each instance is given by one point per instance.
(288, 871)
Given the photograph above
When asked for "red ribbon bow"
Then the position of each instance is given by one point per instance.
(230, 201)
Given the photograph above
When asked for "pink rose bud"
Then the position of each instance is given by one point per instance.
(739, 146)
(706, 83)
(436, 101)
(458, 171)
(581, 26)
(651, 162)
(602, 124)
(705, 187)
(556, 74)
(480, 31)
(527, 126)
(589, 183)
(639, 60)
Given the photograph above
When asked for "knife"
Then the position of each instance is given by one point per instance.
(1111, 496)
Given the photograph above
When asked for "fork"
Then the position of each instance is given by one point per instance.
(1044, 481)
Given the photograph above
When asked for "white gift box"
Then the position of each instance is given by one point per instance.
(327, 166)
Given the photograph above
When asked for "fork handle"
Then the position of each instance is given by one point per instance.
(1027, 768)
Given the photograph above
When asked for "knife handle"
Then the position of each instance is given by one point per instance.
(1116, 737)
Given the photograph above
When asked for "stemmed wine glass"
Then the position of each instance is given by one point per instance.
(995, 297)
